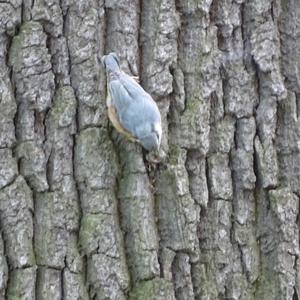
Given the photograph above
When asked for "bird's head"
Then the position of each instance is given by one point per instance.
(151, 141)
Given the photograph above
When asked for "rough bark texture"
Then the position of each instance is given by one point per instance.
(85, 215)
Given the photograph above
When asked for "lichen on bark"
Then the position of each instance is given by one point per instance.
(85, 214)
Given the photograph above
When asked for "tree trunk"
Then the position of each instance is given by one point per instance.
(85, 215)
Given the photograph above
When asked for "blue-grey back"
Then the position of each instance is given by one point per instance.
(136, 109)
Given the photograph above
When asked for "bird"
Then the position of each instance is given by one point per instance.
(131, 110)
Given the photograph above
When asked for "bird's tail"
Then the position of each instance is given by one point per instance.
(111, 62)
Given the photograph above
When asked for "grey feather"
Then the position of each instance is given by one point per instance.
(136, 110)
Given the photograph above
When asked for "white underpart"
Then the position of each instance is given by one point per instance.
(158, 129)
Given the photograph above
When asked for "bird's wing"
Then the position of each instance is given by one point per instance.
(120, 98)
(116, 123)
(120, 104)
(114, 118)
(135, 108)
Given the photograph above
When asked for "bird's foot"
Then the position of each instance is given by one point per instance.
(136, 78)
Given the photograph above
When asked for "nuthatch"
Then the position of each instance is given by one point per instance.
(131, 110)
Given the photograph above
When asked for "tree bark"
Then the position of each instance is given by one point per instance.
(85, 215)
